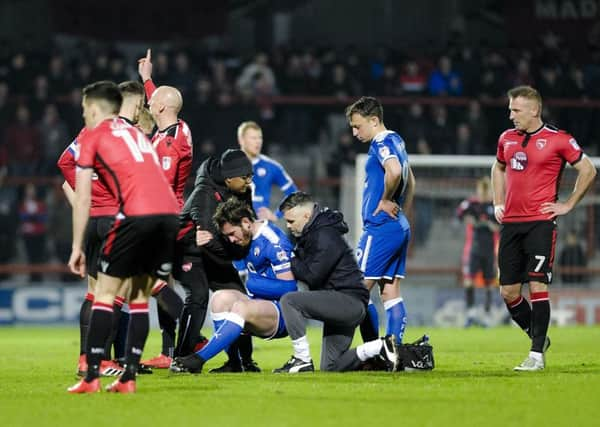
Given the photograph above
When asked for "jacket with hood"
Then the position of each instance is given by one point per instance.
(323, 259)
(209, 191)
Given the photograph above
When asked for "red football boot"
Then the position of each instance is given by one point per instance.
(159, 362)
(119, 387)
(84, 387)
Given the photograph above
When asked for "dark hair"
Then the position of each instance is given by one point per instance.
(131, 87)
(104, 91)
(233, 210)
(295, 199)
(366, 106)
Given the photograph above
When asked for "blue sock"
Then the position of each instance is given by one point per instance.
(396, 318)
(373, 316)
(217, 319)
(231, 328)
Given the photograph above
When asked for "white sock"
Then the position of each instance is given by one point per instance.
(369, 349)
(301, 349)
(390, 303)
(537, 356)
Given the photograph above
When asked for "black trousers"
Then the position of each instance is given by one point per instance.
(198, 275)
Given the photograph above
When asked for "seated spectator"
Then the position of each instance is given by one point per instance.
(412, 80)
(24, 140)
(33, 229)
(444, 81)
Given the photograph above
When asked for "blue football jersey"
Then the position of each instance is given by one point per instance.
(269, 254)
(385, 145)
(267, 173)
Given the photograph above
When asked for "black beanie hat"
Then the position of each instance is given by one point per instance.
(235, 163)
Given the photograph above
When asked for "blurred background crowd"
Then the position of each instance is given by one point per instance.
(446, 97)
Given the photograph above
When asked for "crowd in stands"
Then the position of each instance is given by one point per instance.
(450, 106)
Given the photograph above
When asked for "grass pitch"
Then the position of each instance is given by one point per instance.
(473, 384)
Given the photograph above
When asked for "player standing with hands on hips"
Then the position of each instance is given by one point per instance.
(525, 182)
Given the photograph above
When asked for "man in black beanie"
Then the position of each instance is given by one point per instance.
(200, 268)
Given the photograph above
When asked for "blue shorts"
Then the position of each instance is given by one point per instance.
(281, 331)
(382, 249)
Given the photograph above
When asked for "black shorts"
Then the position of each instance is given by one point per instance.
(139, 245)
(201, 271)
(481, 261)
(526, 252)
(95, 233)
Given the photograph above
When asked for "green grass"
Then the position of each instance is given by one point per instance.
(473, 384)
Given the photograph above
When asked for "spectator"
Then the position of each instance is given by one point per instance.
(8, 221)
(412, 80)
(60, 223)
(479, 126)
(256, 71)
(24, 140)
(33, 228)
(444, 81)
(440, 132)
(414, 128)
(54, 136)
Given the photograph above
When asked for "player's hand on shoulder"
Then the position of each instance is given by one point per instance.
(555, 209)
(266, 213)
(389, 207)
(203, 236)
(145, 66)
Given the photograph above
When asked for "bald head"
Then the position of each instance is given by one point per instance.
(169, 97)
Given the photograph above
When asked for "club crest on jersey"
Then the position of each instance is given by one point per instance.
(574, 144)
(261, 171)
(256, 251)
(384, 151)
(166, 163)
(519, 161)
(540, 144)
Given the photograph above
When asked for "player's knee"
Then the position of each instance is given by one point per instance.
(241, 309)
(510, 293)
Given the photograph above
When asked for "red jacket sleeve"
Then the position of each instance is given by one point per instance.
(150, 87)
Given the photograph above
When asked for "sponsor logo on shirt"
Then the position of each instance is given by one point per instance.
(509, 143)
(519, 161)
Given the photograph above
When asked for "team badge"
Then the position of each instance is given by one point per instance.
(282, 255)
(540, 144)
(518, 161)
(261, 171)
(574, 144)
(256, 251)
(384, 151)
(166, 163)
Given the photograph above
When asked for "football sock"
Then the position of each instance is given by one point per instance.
(120, 343)
(369, 349)
(139, 326)
(117, 307)
(469, 297)
(245, 347)
(167, 330)
(98, 332)
(228, 332)
(396, 318)
(540, 319)
(167, 299)
(218, 319)
(488, 299)
(301, 349)
(84, 320)
(369, 327)
(520, 312)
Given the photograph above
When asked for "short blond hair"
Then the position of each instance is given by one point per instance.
(242, 128)
(526, 92)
